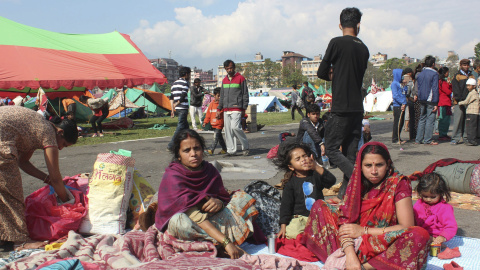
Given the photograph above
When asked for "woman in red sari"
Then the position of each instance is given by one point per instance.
(374, 229)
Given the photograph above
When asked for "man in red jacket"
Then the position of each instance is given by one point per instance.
(233, 101)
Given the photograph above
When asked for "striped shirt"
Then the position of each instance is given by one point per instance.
(179, 92)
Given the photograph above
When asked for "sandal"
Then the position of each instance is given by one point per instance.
(432, 143)
(94, 135)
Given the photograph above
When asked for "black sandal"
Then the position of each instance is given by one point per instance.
(6, 246)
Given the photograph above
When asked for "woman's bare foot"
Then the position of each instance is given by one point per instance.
(31, 244)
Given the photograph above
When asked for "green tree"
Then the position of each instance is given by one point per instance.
(271, 73)
(292, 75)
(165, 88)
(477, 50)
(252, 71)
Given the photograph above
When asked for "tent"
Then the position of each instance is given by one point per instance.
(266, 103)
(65, 65)
(379, 102)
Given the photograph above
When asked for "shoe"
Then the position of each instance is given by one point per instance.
(229, 155)
(453, 142)
(444, 138)
(449, 253)
(101, 135)
(94, 135)
(432, 143)
(452, 266)
(209, 152)
(470, 143)
(245, 152)
(222, 152)
(6, 246)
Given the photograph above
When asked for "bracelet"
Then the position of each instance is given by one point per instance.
(345, 241)
(47, 179)
(365, 230)
(383, 230)
(347, 245)
(226, 241)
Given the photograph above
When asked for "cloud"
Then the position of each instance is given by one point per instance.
(303, 26)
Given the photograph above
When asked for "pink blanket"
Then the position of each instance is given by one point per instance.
(150, 250)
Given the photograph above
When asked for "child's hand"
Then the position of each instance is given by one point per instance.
(439, 239)
(283, 231)
(203, 125)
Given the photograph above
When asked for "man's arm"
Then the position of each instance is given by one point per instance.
(326, 63)
(245, 96)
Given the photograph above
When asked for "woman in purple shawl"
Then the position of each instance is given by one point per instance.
(194, 205)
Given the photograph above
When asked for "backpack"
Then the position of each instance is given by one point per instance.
(268, 201)
(299, 102)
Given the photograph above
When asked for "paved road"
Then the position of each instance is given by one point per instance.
(152, 158)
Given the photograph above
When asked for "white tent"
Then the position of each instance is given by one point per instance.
(263, 103)
(378, 102)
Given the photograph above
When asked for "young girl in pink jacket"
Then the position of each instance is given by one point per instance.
(432, 212)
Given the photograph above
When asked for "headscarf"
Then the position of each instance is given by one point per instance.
(181, 189)
(352, 208)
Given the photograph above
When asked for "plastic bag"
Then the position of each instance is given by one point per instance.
(141, 193)
(46, 220)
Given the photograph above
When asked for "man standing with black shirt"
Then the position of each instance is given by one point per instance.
(348, 57)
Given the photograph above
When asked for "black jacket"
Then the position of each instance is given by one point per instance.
(196, 96)
(459, 86)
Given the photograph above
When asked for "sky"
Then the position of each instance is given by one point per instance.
(204, 33)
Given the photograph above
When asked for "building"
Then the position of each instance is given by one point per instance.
(168, 67)
(379, 59)
(310, 67)
(202, 75)
(409, 60)
(292, 58)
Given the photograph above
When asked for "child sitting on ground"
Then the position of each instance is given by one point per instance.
(217, 123)
(311, 131)
(431, 211)
(302, 189)
(471, 121)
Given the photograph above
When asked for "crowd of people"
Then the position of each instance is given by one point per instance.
(371, 221)
(426, 99)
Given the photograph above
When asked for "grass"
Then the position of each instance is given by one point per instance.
(141, 128)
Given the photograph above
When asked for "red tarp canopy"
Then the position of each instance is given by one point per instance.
(65, 63)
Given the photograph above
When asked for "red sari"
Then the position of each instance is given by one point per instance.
(402, 249)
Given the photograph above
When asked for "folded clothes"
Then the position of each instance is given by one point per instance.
(449, 253)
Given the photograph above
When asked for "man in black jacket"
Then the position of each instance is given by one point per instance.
(196, 99)
(460, 92)
(347, 56)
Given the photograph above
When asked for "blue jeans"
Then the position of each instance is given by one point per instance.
(313, 146)
(182, 124)
(426, 124)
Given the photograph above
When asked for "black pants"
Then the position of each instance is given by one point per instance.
(343, 129)
(97, 120)
(218, 138)
(471, 123)
(295, 107)
(398, 121)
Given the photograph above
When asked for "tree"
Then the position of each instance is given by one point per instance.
(292, 75)
(477, 50)
(452, 63)
(252, 71)
(271, 73)
(165, 88)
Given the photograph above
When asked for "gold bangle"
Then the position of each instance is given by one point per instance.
(226, 241)
(383, 230)
(365, 230)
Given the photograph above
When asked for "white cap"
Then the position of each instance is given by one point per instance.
(471, 81)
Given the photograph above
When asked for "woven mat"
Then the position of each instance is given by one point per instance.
(459, 200)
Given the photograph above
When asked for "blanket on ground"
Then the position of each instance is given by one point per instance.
(150, 250)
